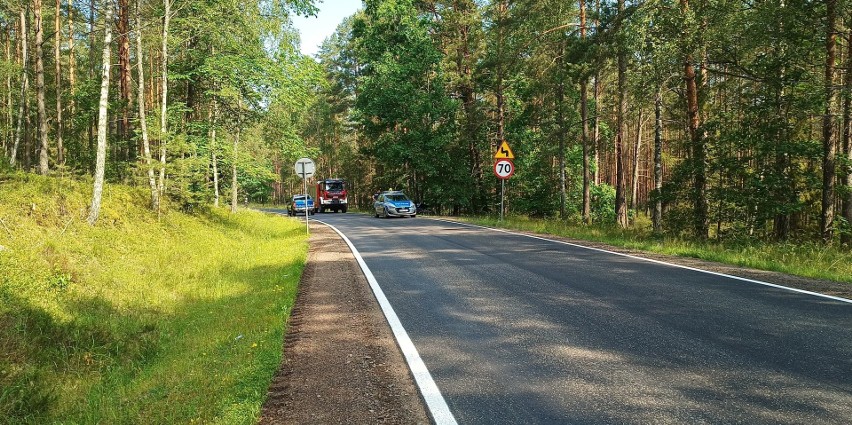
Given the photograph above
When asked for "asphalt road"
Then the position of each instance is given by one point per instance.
(517, 330)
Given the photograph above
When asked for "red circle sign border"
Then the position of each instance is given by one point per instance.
(504, 160)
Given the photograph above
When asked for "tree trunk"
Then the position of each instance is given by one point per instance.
(213, 148)
(637, 149)
(596, 94)
(92, 62)
(164, 101)
(10, 120)
(846, 171)
(57, 59)
(584, 116)
(620, 198)
(43, 158)
(468, 98)
(560, 125)
(124, 75)
(701, 225)
(828, 136)
(23, 107)
(143, 124)
(100, 162)
(234, 188)
(657, 218)
(72, 58)
(785, 191)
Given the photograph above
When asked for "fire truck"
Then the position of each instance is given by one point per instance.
(331, 195)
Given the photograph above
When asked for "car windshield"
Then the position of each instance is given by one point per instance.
(299, 198)
(396, 197)
(334, 186)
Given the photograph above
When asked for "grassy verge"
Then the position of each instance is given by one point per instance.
(138, 319)
(803, 259)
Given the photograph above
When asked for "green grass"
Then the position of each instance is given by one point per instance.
(808, 259)
(138, 319)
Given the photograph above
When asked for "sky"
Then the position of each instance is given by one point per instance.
(314, 30)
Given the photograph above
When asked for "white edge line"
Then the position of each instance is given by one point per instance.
(650, 260)
(435, 402)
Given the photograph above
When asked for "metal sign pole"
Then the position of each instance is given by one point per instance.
(305, 191)
(502, 196)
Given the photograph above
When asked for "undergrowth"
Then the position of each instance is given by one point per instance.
(138, 319)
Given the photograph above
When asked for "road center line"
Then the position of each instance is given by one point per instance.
(435, 403)
(650, 260)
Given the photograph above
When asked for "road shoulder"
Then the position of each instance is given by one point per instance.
(341, 364)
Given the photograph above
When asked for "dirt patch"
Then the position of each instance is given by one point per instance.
(341, 363)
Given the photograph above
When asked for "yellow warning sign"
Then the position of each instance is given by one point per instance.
(504, 152)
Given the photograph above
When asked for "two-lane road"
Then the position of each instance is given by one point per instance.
(516, 329)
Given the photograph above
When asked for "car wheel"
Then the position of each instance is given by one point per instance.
(377, 213)
(343, 210)
(386, 213)
(414, 216)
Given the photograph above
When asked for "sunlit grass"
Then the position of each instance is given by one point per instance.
(807, 259)
(138, 319)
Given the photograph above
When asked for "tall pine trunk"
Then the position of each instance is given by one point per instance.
(7, 137)
(584, 116)
(828, 136)
(620, 197)
(637, 149)
(23, 106)
(143, 123)
(72, 58)
(213, 148)
(43, 157)
(700, 221)
(164, 101)
(562, 132)
(846, 171)
(100, 162)
(57, 59)
(234, 183)
(657, 217)
(124, 75)
(92, 63)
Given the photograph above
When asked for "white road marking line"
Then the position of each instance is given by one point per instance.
(650, 260)
(435, 402)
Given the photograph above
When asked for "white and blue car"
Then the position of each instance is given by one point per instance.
(394, 204)
(298, 205)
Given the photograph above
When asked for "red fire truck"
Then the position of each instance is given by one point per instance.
(331, 195)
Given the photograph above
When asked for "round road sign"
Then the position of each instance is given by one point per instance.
(504, 168)
(305, 167)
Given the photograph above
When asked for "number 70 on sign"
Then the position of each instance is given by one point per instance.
(504, 168)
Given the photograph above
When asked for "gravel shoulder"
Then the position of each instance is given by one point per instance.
(341, 363)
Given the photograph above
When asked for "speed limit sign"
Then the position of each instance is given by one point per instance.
(504, 168)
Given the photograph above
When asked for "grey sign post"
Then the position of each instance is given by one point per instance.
(305, 168)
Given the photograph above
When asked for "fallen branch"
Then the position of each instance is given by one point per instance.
(11, 235)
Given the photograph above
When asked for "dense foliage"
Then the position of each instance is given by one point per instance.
(723, 119)
(741, 153)
(232, 91)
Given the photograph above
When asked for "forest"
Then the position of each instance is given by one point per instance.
(710, 119)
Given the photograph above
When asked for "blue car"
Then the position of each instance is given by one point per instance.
(394, 204)
(297, 205)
